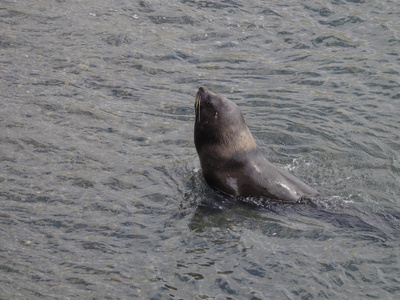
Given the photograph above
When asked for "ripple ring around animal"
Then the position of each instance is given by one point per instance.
(230, 159)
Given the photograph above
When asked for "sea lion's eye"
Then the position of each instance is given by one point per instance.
(208, 103)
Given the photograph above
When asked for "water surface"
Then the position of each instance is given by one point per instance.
(101, 193)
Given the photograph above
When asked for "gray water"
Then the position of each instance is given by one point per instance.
(101, 192)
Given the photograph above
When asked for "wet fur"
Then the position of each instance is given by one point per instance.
(230, 159)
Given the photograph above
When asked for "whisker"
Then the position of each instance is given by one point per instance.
(197, 104)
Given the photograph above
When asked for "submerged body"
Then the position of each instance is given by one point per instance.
(230, 159)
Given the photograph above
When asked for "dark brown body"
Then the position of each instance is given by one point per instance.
(230, 158)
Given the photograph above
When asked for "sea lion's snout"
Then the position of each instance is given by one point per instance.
(202, 90)
(197, 103)
(201, 93)
(201, 96)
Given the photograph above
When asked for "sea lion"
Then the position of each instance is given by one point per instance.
(230, 159)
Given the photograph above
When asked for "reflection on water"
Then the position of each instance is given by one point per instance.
(101, 195)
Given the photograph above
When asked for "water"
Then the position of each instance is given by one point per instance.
(101, 196)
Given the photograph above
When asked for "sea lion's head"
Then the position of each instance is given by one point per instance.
(213, 109)
(220, 123)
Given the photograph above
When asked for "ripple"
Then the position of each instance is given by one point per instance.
(101, 188)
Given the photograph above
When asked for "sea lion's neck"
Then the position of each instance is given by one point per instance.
(238, 139)
(231, 144)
